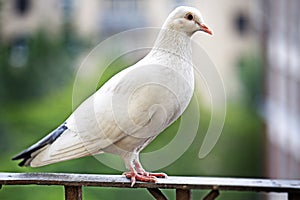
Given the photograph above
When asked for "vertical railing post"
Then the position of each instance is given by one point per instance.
(73, 192)
(182, 194)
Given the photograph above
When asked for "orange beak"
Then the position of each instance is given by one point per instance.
(205, 29)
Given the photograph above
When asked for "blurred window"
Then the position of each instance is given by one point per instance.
(121, 15)
(22, 6)
(121, 5)
(241, 23)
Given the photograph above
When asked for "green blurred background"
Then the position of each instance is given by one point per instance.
(37, 73)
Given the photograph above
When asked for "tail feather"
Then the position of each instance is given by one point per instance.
(28, 154)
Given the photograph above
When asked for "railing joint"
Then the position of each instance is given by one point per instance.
(157, 194)
(183, 194)
(213, 194)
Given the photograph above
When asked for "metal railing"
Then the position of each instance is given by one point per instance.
(73, 184)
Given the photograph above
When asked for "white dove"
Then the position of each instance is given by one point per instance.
(131, 108)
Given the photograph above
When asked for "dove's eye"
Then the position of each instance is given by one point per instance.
(189, 16)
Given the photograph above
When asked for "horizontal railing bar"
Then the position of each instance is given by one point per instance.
(172, 182)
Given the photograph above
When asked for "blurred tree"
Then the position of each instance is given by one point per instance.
(32, 66)
(250, 71)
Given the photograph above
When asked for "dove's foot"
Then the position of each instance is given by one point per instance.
(137, 173)
(143, 176)
(140, 170)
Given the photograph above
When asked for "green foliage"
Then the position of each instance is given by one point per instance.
(237, 153)
(30, 67)
(250, 71)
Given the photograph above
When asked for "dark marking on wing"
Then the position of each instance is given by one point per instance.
(27, 154)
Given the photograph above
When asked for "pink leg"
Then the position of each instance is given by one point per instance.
(137, 173)
(141, 171)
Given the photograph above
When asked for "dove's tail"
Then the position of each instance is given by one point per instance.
(29, 154)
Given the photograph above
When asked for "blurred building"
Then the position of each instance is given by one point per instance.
(88, 19)
(282, 87)
(94, 19)
(281, 40)
(234, 37)
(20, 18)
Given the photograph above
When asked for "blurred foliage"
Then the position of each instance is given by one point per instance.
(250, 71)
(30, 67)
(38, 97)
(237, 153)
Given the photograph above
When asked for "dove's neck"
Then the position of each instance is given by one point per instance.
(172, 48)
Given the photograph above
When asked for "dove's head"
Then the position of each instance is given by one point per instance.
(187, 20)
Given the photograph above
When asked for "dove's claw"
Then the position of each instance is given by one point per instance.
(137, 173)
(150, 177)
(158, 175)
(140, 170)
